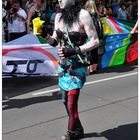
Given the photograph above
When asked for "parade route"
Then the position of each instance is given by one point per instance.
(32, 107)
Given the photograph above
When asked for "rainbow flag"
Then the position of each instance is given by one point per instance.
(113, 25)
(120, 46)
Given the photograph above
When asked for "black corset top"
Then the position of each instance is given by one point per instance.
(76, 38)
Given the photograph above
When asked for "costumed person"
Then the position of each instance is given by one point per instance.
(91, 7)
(72, 27)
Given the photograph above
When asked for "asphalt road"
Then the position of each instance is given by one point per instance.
(32, 107)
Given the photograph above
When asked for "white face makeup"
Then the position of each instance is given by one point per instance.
(66, 3)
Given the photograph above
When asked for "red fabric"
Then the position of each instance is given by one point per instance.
(132, 53)
(71, 104)
(72, 107)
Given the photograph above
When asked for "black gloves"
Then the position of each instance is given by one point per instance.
(67, 52)
(44, 33)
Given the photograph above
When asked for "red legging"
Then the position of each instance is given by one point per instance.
(71, 104)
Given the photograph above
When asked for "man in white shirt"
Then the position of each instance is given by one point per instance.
(18, 26)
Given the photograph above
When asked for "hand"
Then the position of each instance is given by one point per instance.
(43, 30)
(39, 30)
(60, 53)
(67, 52)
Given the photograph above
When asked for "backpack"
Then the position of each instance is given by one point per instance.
(92, 56)
(98, 24)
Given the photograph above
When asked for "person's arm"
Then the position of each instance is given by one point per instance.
(135, 28)
(9, 12)
(22, 14)
(104, 11)
(90, 30)
(30, 14)
(52, 40)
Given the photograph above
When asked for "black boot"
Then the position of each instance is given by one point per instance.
(79, 130)
(79, 133)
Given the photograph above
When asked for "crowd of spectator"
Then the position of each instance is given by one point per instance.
(17, 15)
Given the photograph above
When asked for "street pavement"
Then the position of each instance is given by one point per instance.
(32, 107)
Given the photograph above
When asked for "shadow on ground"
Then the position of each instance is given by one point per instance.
(17, 86)
(20, 103)
(123, 132)
(119, 69)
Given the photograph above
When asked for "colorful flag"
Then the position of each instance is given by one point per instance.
(119, 43)
(120, 46)
(113, 25)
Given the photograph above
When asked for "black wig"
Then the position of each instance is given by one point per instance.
(70, 15)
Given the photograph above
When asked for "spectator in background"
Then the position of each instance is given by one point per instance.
(110, 2)
(83, 2)
(52, 19)
(28, 5)
(4, 3)
(122, 14)
(9, 16)
(49, 10)
(134, 13)
(90, 6)
(106, 2)
(9, 4)
(108, 10)
(129, 10)
(115, 7)
(16, 21)
(101, 8)
(35, 11)
(4, 12)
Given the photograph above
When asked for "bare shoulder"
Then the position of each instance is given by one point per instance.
(57, 17)
(57, 21)
(85, 18)
(31, 10)
(84, 14)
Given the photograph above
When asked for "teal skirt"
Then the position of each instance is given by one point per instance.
(68, 82)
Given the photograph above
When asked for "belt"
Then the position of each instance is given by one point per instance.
(74, 65)
(68, 69)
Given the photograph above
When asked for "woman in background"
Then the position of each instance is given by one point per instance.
(35, 11)
(101, 8)
(91, 7)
